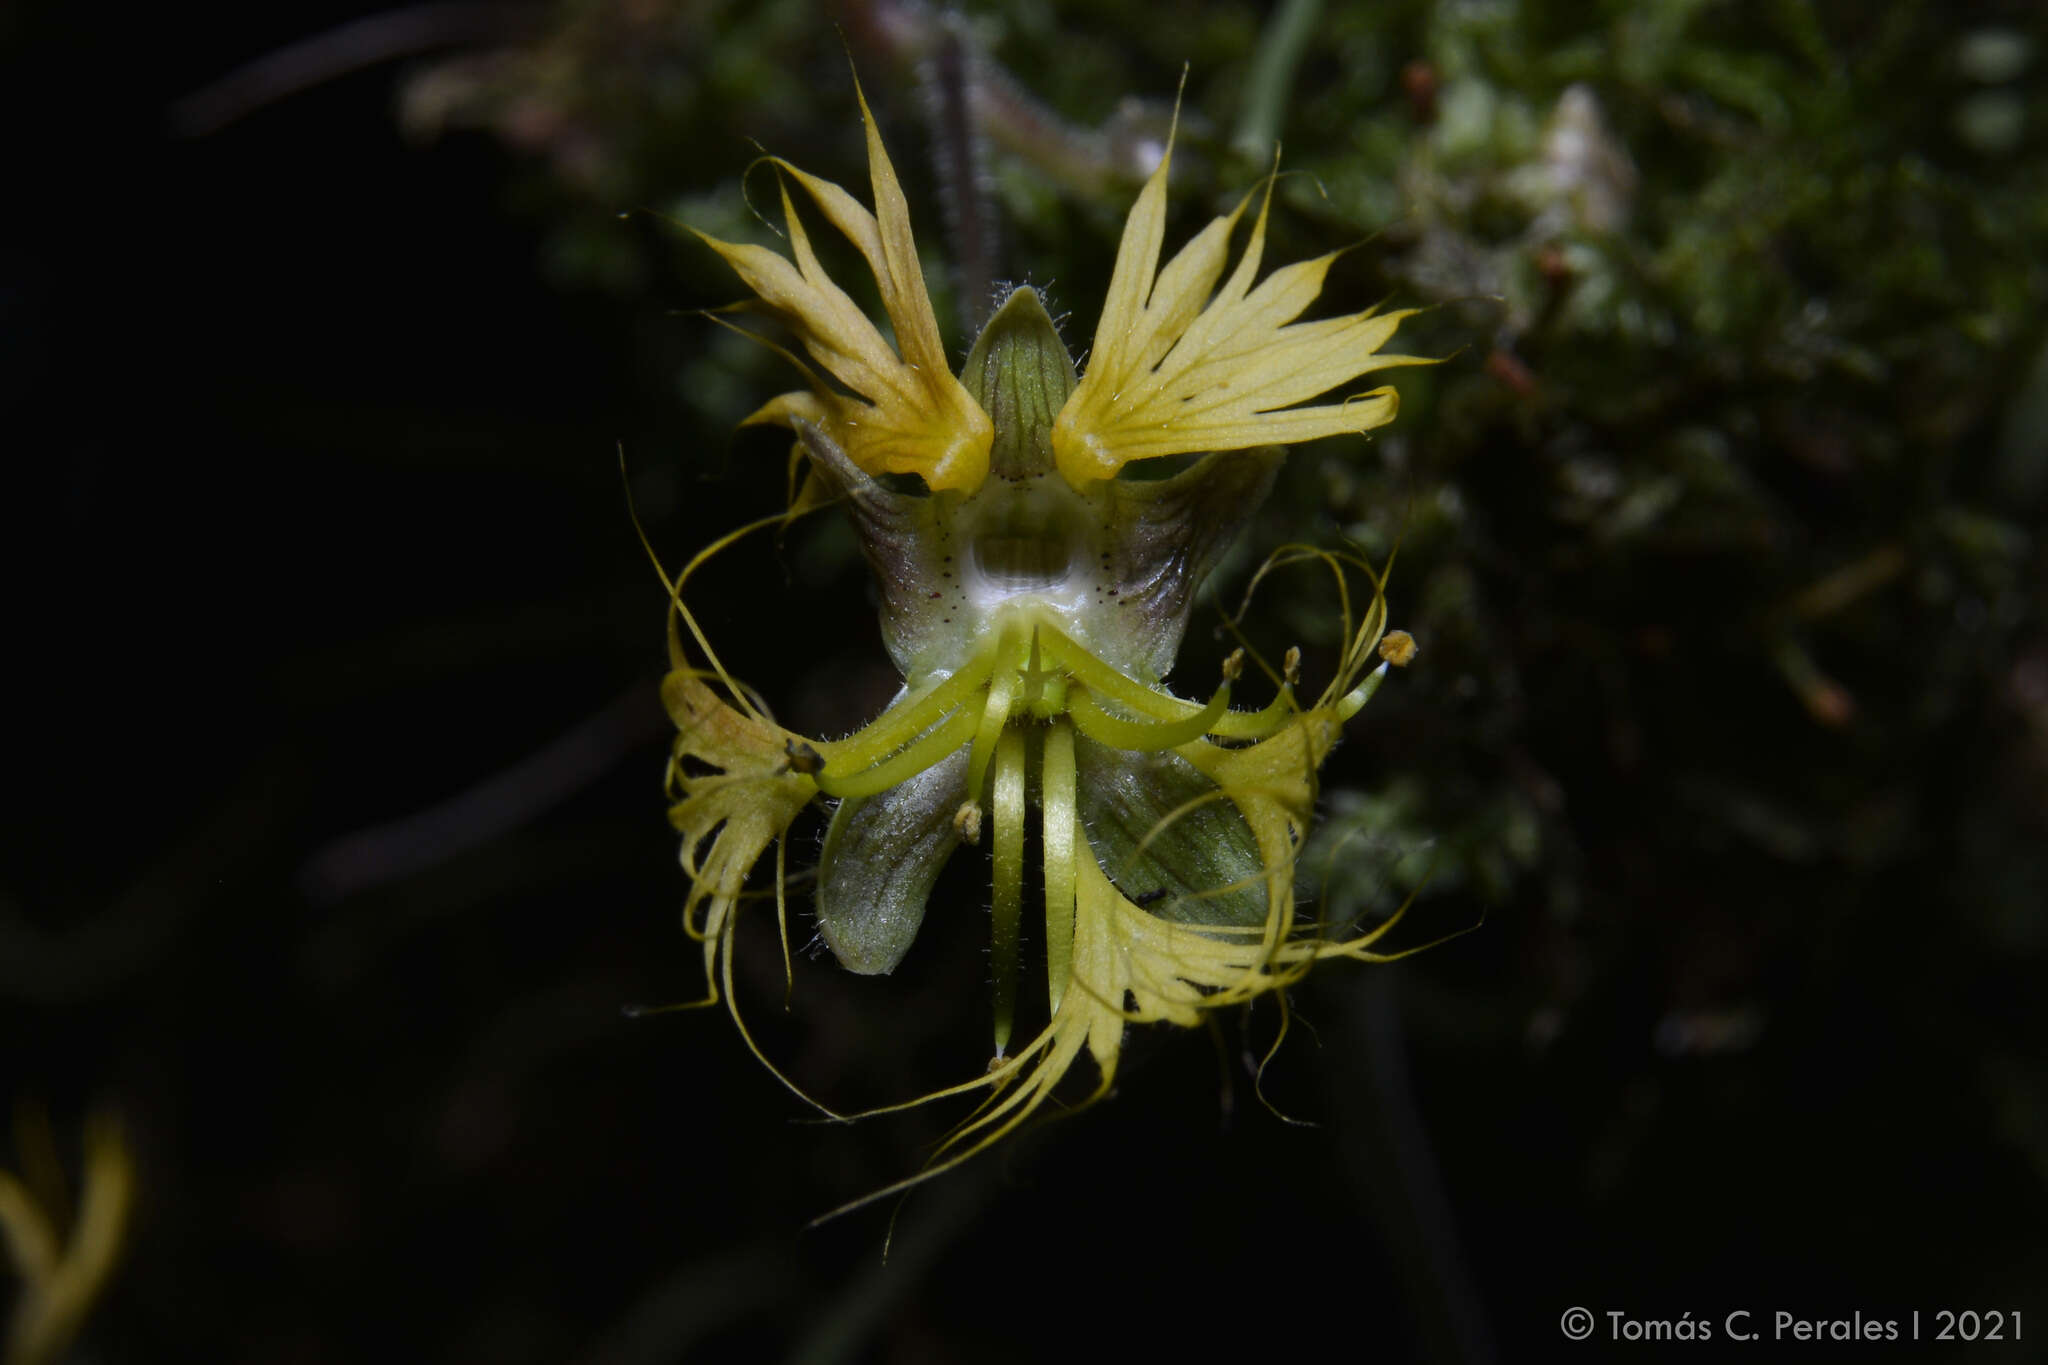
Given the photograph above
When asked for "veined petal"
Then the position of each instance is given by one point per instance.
(907, 413)
(1137, 261)
(898, 271)
(1180, 292)
(1289, 427)
(1236, 320)
(786, 409)
(1175, 370)
(836, 333)
(1164, 832)
(882, 855)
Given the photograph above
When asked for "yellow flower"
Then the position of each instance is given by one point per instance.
(909, 415)
(1177, 369)
(1033, 602)
(65, 1270)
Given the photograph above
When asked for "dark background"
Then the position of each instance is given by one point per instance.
(339, 845)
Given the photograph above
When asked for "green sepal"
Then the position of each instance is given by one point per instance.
(882, 856)
(1159, 540)
(1202, 867)
(1020, 373)
(907, 541)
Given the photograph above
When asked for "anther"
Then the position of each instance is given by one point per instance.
(799, 757)
(967, 822)
(1290, 665)
(1398, 648)
(1233, 665)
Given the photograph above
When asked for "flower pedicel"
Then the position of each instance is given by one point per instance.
(1032, 600)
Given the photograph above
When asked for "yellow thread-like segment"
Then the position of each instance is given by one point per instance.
(1092, 672)
(1354, 701)
(1056, 802)
(1008, 908)
(1095, 674)
(995, 714)
(1259, 724)
(907, 718)
(782, 918)
(905, 765)
(1141, 735)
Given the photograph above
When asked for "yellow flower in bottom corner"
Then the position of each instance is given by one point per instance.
(65, 1264)
(1033, 599)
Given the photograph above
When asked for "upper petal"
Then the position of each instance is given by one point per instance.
(912, 415)
(1177, 368)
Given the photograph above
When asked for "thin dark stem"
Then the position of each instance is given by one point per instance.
(340, 51)
(951, 76)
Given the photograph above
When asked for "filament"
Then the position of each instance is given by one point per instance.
(1140, 735)
(1007, 910)
(1057, 809)
(908, 763)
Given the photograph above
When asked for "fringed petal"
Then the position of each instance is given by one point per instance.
(1175, 370)
(907, 413)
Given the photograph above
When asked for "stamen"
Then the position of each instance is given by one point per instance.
(872, 781)
(1352, 702)
(1141, 735)
(782, 916)
(1056, 804)
(1100, 677)
(1280, 710)
(1092, 672)
(1045, 685)
(906, 720)
(1007, 911)
(995, 713)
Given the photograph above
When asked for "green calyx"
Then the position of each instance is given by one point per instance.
(1020, 373)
